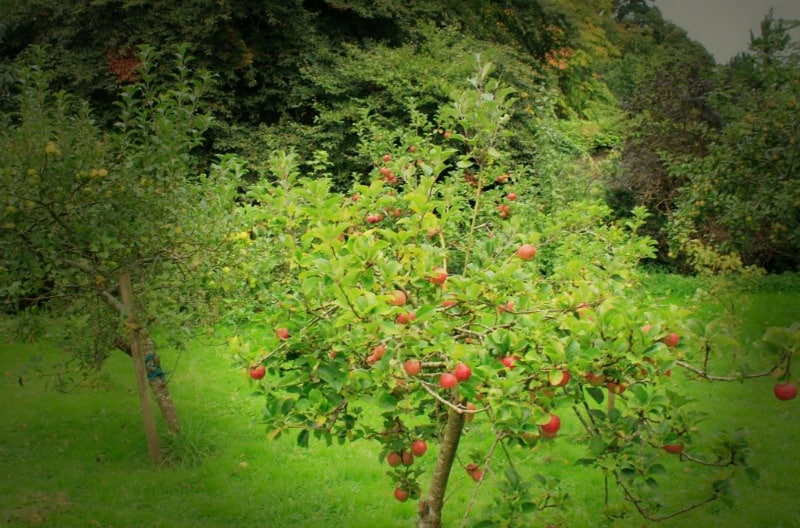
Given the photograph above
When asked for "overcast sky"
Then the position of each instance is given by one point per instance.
(723, 26)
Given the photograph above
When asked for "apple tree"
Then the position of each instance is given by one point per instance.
(444, 295)
(83, 208)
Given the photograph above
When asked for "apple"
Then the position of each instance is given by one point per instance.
(646, 328)
(446, 134)
(671, 339)
(462, 372)
(595, 380)
(468, 417)
(412, 149)
(507, 307)
(355, 197)
(550, 429)
(785, 391)
(476, 475)
(509, 361)
(439, 276)
(398, 298)
(385, 171)
(583, 310)
(386, 158)
(405, 318)
(511, 196)
(412, 367)
(393, 459)
(448, 303)
(447, 381)
(471, 468)
(418, 447)
(401, 494)
(503, 178)
(503, 210)
(559, 378)
(675, 449)
(376, 354)
(374, 218)
(406, 458)
(257, 372)
(617, 387)
(527, 251)
(282, 333)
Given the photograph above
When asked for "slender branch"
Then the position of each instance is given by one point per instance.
(705, 375)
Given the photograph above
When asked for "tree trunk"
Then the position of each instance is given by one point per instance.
(430, 509)
(158, 384)
(137, 353)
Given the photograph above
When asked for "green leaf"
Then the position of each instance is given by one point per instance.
(597, 395)
(302, 438)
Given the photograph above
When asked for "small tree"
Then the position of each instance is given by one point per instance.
(82, 208)
(438, 293)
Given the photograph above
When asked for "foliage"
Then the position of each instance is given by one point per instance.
(428, 223)
(743, 197)
(79, 206)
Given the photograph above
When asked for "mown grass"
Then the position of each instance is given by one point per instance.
(79, 459)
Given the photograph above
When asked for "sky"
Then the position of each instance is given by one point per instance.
(723, 26)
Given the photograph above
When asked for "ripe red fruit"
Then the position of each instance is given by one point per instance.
(418, 447)
(527, 251)
(617, 387)
(559, 378)
(374, 218)
(509, 361)
(447, 381)
(377, 353)
(501, 179)
(398, 298)
(412, 367)
(405, 318)
(595, 379)
(503, 210)
(471, 468)
(385, 171)
(511, 196)
(671, 340)
(448, 303)
(412, 149)
(550, 429)
(675, 449)
(785, 391)
(439, 276)
(393, 459)
(646, 328)
(462, 372)
(476, 475)
(282, 333)
(355, 197)
(387, 158)
(446, 134)
(401, 494)
(257, 372)
(407, 458)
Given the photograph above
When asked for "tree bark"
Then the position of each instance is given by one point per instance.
(137, 353)
(430, 509)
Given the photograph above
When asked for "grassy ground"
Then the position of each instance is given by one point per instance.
(80, 460)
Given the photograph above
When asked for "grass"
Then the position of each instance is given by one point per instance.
(79, 459)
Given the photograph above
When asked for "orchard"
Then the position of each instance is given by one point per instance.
(403, 328)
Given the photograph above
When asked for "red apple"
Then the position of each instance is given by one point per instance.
(405, 318)
(385, 171)
(386, 158)
(418, 447)
(503, 178)
(559, 378)
(617, 387)
(446, 134)
(511, 196)
(257, 372)
(509, 362)
(785, 391)
(675, 449)
(378, 352)
(671, 339)
(646, 328)
(412, 149)
(468, 417)
(439, 276)
(401, 494)
(550, 429)
(476, 475)
(448, 303)
(507, 307)
(527, 251)
(355, 197)
(503, 210)
(398, 298)
(462, 372)
(595, 380)
(447, 381)
(282, 333)
(406, 458)
(393, 459)
(374, 218)
(412, 367)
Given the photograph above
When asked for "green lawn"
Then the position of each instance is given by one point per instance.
(80, 460)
